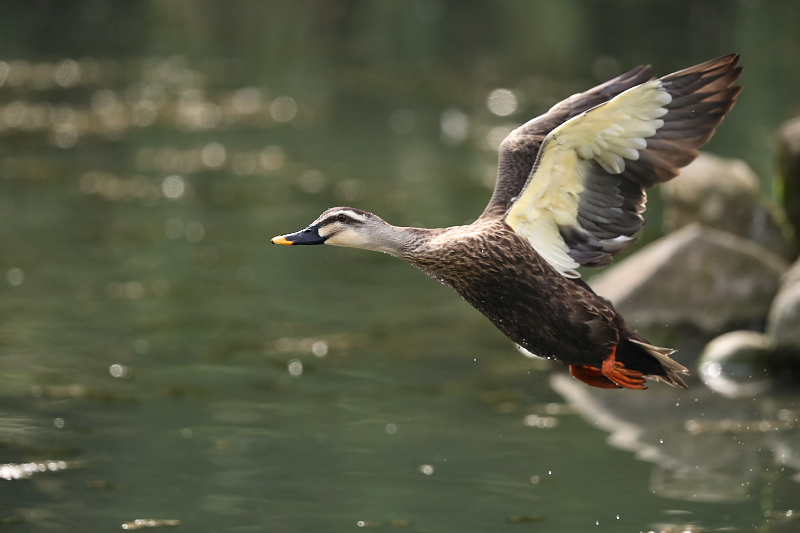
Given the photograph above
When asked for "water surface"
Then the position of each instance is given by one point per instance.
(161, 360)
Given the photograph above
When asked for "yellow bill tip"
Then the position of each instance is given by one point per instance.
(280, 239)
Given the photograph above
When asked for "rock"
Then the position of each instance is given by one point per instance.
(789, 170)
(738, 364)
(688, 287)
(783, 323)
(725, 194)
(792, 275)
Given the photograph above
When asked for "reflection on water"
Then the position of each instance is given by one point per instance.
(22, 471)
(706, 447)
(164, 366)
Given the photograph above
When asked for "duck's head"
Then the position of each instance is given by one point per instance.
(350, 227)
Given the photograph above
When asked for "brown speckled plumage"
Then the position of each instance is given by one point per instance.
(499, 274)
(493, 263)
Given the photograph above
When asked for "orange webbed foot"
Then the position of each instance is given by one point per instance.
(619, 374)
(592, 376)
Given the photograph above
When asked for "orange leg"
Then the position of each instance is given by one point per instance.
(624, 377)
(592, 376)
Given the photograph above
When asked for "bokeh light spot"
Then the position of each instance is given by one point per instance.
(194, 232)
(319, 348)
(119, 371)
(496, 136)
(312, 181)
(213, 155)
(272, 158)
(540, 421)
(246, 101)
(283, 109)
(67, 73)
(454, 126)
(173, 187)
(173, 228)
(502, 102)
(295, 367)
(15, 276)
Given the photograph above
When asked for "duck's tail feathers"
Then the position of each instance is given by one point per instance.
(671, 368)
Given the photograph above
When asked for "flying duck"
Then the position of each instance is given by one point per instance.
(570, 192)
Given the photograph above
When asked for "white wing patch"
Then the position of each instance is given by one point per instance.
(606, 135)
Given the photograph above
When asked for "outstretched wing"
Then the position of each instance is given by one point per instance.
(518, 151)
(585, 197)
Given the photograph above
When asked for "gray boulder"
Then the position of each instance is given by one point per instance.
(783, 324)
(789, 170)
(725, 194)
(738, 364)
(692, 285)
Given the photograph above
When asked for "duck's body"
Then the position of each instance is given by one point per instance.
(570, 193)
(503, 277)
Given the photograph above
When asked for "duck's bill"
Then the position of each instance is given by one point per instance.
(307, 236)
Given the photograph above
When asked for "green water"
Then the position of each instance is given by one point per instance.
(164, 361)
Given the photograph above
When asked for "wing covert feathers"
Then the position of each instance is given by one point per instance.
(585, 195)
(518, 151)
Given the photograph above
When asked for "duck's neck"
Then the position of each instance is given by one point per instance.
(406, 243)
(393, 240)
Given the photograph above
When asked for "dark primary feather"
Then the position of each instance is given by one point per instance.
(611, 205)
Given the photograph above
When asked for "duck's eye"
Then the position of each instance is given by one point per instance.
(341, 218)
